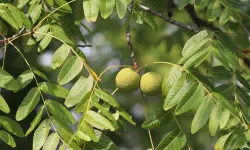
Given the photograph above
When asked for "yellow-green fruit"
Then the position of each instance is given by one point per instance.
(151, 83)
(127, 80)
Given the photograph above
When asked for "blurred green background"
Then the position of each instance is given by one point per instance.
(109, 47)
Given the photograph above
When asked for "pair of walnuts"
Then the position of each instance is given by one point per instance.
(128, 80)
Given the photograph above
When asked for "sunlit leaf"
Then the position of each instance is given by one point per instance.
(28, 104)
(106, 7)
(36, 120)
(41, 134)
(4, 107)
(25, 78)
(52, 142)
(203, 114)
(70, 70)
(214, 121)
(98, 121)
(60, 56)
(79, 90)
(44, 42)
(66, 8)
(91, 9)
(224, 118)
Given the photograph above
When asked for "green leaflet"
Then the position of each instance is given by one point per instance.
(178, 91)
(79, 90)
(121, 7)
(195, 39)
(11, 126)
(192, 99)
(98, 121)
(106, 97)
(203, 114)
(214, 121)
(202, 45)
(53, 89)
(226, 104)
(66, 132)
(60, 111)
(80, 107)
(41, 134)
(25, 78)
(201, 4)
(40, 74)
(225, 16)
(52, 142)
(170, 79)
(7, 138)
(16, 14)
(224, 118)
(44, 42)
(83, 126)
(183, 3)
(126, 116)
(197, 58)
(91, 9)
(157, 121)
(35, 12)
(63, 34)
(175, 140)
(7, 81)
(83, 136)
(60, 56)
(36, 120)
(213, 10)
(4, 106)
(8, 16)
(28, 104)
(104, 142)
(221, 142)
(66, 8)
(70, 70)
(106, 7)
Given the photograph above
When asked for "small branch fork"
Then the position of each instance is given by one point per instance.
(188, 27)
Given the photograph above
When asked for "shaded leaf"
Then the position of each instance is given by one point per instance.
(174, 140)
(157, 121)
(11, 126)
(60, 111)
(7, 138)
(7, 81)
(126, 116)
(213, 10)
(53, 89)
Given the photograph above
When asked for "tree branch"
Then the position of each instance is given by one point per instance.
(2, 42)
(128, 37)
(188, 27)
(83, 46)
(198, 21)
